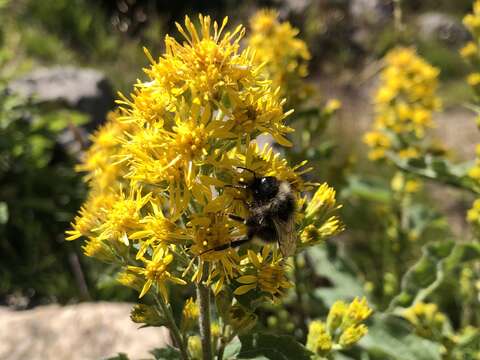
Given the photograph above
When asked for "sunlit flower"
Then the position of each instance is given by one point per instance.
(469, 50)
(344, 327)
(404, 103)
(123, 217)
(426, 318)
(164, 173)
(473, 79)
(156, 272)
(284, 56)
(190, 315)
(352, 335)
(98, 249)
(319, 340)
(268, 274)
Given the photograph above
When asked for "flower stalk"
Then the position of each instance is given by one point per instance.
(204, 321)
(172, 326)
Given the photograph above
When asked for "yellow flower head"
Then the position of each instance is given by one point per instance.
(284, 56)
(319, 340)
(469, 50)
(190, 315)
(404, 103)
(268, 275)
(352, 335)
(156, 272)
(98, 249)
(343, 328)
(426, 318)
(472, 21)
(357, 311)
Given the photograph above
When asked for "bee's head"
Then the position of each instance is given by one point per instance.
(264, 188)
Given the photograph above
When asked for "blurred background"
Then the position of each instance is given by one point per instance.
(62, 62)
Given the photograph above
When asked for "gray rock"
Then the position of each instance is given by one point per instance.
(76, 332)
(85, 90)
(442, 27)
(293, 6)
(371, 12)
(368, 17)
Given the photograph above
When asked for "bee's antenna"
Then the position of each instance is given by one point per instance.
(247, 169)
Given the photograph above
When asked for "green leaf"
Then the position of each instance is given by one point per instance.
(120, 356)
(367, 189)
(267, 346)
(166, 353)
(439, 169)
(392, 338)
(3, 213)
(438, 259)
(232, 349)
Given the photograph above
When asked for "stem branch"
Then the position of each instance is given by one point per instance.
(172, 325)
(203, 297)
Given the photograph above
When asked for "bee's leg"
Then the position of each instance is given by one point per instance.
(242, 186)
(237, 218)
(232, 244)
(239, 241)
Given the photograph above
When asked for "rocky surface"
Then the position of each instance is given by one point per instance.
(85, 90)
(441, 27)
(75, 332)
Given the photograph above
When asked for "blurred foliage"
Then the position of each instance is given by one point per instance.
(35, 213)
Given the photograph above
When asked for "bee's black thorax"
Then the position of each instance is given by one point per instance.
(272, 199)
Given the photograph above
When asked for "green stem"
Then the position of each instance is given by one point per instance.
(397, 16)
(227, 336)
(223, 343)
(463, 182)
(172, 325)
(203, 297)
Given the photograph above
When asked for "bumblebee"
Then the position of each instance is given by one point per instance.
(271, 216)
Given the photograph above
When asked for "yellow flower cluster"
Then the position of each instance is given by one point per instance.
(427, 319)
(403, 184)
(404, 104)
(164, 171)
(471, 52)
(343, 328)
(320, 220)
(285, 57)
(474, 171)
(473, 215)
(472, 23)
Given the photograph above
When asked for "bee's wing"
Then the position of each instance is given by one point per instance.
(287, 240)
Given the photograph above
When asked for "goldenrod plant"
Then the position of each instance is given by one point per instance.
(404, 106)
(343, 328)
(285, 56)
(471, 53)
(170, 178)
(176, 205)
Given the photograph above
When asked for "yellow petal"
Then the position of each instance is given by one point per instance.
(247, 279)
(146, 287)
(177, 280)
(244, 289)
(253, 259)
